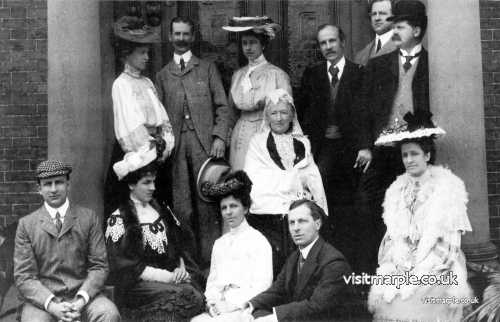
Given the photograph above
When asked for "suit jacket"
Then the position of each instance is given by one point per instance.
(363, 56)
(200, 84)
(313, 295)
(380, 87)
(47, 262)
(315, 102)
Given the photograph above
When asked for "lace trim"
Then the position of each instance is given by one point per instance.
(115, 228)
(284, 146)
(155, 235)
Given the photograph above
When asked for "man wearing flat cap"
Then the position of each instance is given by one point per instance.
(60, 264)
(394, 84)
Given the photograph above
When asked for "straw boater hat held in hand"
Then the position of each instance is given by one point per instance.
(256, 24)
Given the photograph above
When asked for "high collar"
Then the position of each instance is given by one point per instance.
(137, 203)
(244, 225)
(415, 50)
(383, 38)
(62, 210)
(132, 71)
(305, 251)
(259, 61)
(340, 65)
(186, 56)
(423, 177)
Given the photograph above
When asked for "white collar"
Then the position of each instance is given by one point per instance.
(186, 56)
(62, 210)
(305, 251)
(244, 225)
(340, 65)
(132, 71)
(423, 177)
(383, 38)
(415, 50)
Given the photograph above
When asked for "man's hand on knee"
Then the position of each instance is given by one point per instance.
(64, 311)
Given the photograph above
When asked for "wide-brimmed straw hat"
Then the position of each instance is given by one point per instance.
(134, 29)
(214, 171)
(418, 125)
(264, 25)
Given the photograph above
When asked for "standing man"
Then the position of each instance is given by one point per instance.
(339, 146)
(394, 84)
(311, 285)
(191, 91)
(60, 264)
(380, 11)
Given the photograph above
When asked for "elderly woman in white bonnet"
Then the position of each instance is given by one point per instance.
(282, 169)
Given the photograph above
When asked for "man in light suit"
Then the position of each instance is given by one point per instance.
(394, 84)
(60, 264)
(192, 93)
(311, 286)
(379, 11)
(330, 119)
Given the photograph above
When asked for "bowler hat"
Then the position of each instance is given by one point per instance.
(213, 170)
(406, 9)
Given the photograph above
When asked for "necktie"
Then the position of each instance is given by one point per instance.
(183, 65)
(334, 72)
(301, 262)
(58, 221)
(379, 45)
(407, 64)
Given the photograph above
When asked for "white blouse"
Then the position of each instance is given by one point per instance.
(241, 266)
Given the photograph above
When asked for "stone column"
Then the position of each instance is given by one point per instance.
(75, 130)
(456, 97)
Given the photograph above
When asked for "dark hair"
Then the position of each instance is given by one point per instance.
(426, 143)
(124, 48)
(38, 179)
(326, 25)
(417, 22)
(181, 19)
(316, 211)
(371, 2)
(134, 176)
(242, 194)
(263, 38)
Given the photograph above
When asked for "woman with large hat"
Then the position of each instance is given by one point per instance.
(149, 249)
(425, 213)
(250, 84)
(139, 117)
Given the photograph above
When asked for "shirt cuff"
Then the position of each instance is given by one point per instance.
(47, 301)
(85, 296)
(275, 317)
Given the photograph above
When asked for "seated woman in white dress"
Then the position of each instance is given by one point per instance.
(241, 264)
(426, 214)
(281, 166)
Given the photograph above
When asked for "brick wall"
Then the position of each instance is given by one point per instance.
(490, 41)
(23, 104)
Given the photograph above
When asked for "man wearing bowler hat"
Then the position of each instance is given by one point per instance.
(394, 84)
(60, 264)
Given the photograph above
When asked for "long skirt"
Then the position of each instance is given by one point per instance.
(247, 125)
(151, 301)
(275, 229)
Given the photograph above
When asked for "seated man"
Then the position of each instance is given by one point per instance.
(60, 264)
(311, 284)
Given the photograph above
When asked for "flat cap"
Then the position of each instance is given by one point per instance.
(52, 168)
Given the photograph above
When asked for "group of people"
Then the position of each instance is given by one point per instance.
(342, 177)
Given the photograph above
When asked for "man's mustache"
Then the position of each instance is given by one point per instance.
(181, 43)
(395, 37)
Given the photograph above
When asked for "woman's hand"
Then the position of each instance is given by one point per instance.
(181, 276)
(224, 307)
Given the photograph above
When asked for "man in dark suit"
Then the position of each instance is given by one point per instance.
(311, 285)
(330, 118)
(379, 11)
(191, 91)
(60, 264)
(394, 84)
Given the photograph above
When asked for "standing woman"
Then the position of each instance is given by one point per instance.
(250, 84)
(139, 117)
(426, 214)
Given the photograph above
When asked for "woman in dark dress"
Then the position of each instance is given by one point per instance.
(146, 250)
